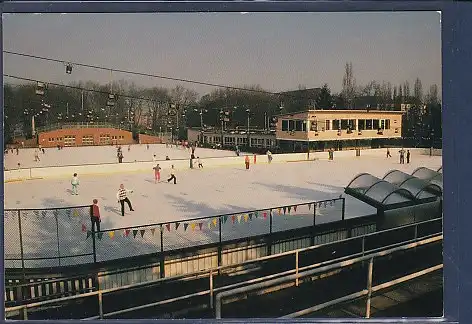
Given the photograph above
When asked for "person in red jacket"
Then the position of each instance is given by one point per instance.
(95, 215)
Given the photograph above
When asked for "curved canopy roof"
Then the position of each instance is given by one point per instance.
(386, 195)
(419, 188)
(429, 175)
(439, 170)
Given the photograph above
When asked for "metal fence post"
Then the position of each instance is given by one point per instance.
(94, 247)
(269, 243)
(23, 279)
(211, 289)
(220, 247)
(100, 304)
(296, 268)
(369, 287)
(343, 208)
(57, 236)
(161, 262)
(312, 240)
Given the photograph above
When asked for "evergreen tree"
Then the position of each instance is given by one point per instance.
(325, 99)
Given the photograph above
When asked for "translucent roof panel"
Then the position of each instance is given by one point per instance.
(397, 177)
(439, 170)
(363, 182)
(419, 188)
(381, 190)
(429, 175)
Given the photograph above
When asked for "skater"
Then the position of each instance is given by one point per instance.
(246, 161)
(75, 183)
(408, 156)
(17, 151)
(200, 165)
(122, 196)
(191, 162)
(172, 175)
(129, 148)
(154, 158)
(120, 157)
(157, 173)
(402, 156)
(167, 158)
(237, 151)
(36, 156)
(147, 146)
(95, 216)
(388, 153)
(269, 156)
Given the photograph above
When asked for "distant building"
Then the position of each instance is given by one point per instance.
(232, 138)
(338, 129)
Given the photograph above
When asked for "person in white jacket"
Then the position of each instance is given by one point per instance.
(122, 196)
(75, 183)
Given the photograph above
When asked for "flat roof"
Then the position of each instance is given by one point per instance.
(395, 112)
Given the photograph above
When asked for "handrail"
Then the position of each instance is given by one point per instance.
(342, 264)
(264, 258)
(210, 272)
(364, 292)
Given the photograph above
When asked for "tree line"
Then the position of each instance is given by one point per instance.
(159, 109)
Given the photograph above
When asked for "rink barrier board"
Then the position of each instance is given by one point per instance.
(131, 167)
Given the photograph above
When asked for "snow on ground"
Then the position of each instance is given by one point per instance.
(103, 154)
(206, 192)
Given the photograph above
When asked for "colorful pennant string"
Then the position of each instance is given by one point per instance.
(111, 234)
(142, 232)
(134, 233)
(153, 230)
(185, 226)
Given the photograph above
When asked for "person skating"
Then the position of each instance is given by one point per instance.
(17, 151)
(388, 153)
(167, 158)
(36, 156)
(269, 156)
(172, 175)
(246, 161)
(95, 215)
(120, 157)
(147, 146)
(122, 196)
(408, 156)
(200, 165)
(402, 156)
(157, 173)
(154, 158)
(75, 183)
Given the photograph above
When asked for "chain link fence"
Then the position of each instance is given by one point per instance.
(46, 237)
(63, 236)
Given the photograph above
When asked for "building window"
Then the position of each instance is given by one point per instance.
(352, 124)
(328, 124)
(104, 139)
(336, 124)
(284, 125)
(87, 140)
(69, 140)
(299, 125)
(291, 125)
(368, 124)
(376, 124)
(361, 124)
(344, 124)
(387, 123)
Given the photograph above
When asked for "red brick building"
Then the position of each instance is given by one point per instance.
(84, 137)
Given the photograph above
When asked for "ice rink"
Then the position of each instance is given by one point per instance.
(103, 154)
(205, 192)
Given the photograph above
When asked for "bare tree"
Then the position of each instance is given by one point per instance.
(349, 85)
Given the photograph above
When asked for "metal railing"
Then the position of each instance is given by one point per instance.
(210, 273)
(321, 268)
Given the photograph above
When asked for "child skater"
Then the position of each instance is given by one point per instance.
(172, 175)
(157, 173)
(75, 183)
(200, 165)
(95, 215)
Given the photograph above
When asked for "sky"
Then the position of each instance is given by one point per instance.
(278, 51)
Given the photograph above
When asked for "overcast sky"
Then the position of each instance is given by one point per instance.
(278, 51)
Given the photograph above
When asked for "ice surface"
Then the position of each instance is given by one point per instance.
(205, 192)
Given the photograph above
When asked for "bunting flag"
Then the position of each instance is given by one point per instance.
(153, 230)
(209, 225)
(68, 212)
(36, 213)
(285, 210)
(134, 233)
(214, 221)
(142, 232)
(319, 205)
(88, 234)
(256, 214)
(44, 213)
(55, 212)
(225, 219)
(127, 232)
(111, 234)
(185, 226)
(239, 218)
(295, 208)
(246, 217)
(309, 206)
(177, 225)
(250, 216)
(192, 226)
(168, 227)
(325, 204)
(84, 228)
(200, 225)
(331, 202)
(265, 214)
(100, 235)
(289, 209)
(279, 210)
(233, 218)
(75, 213)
